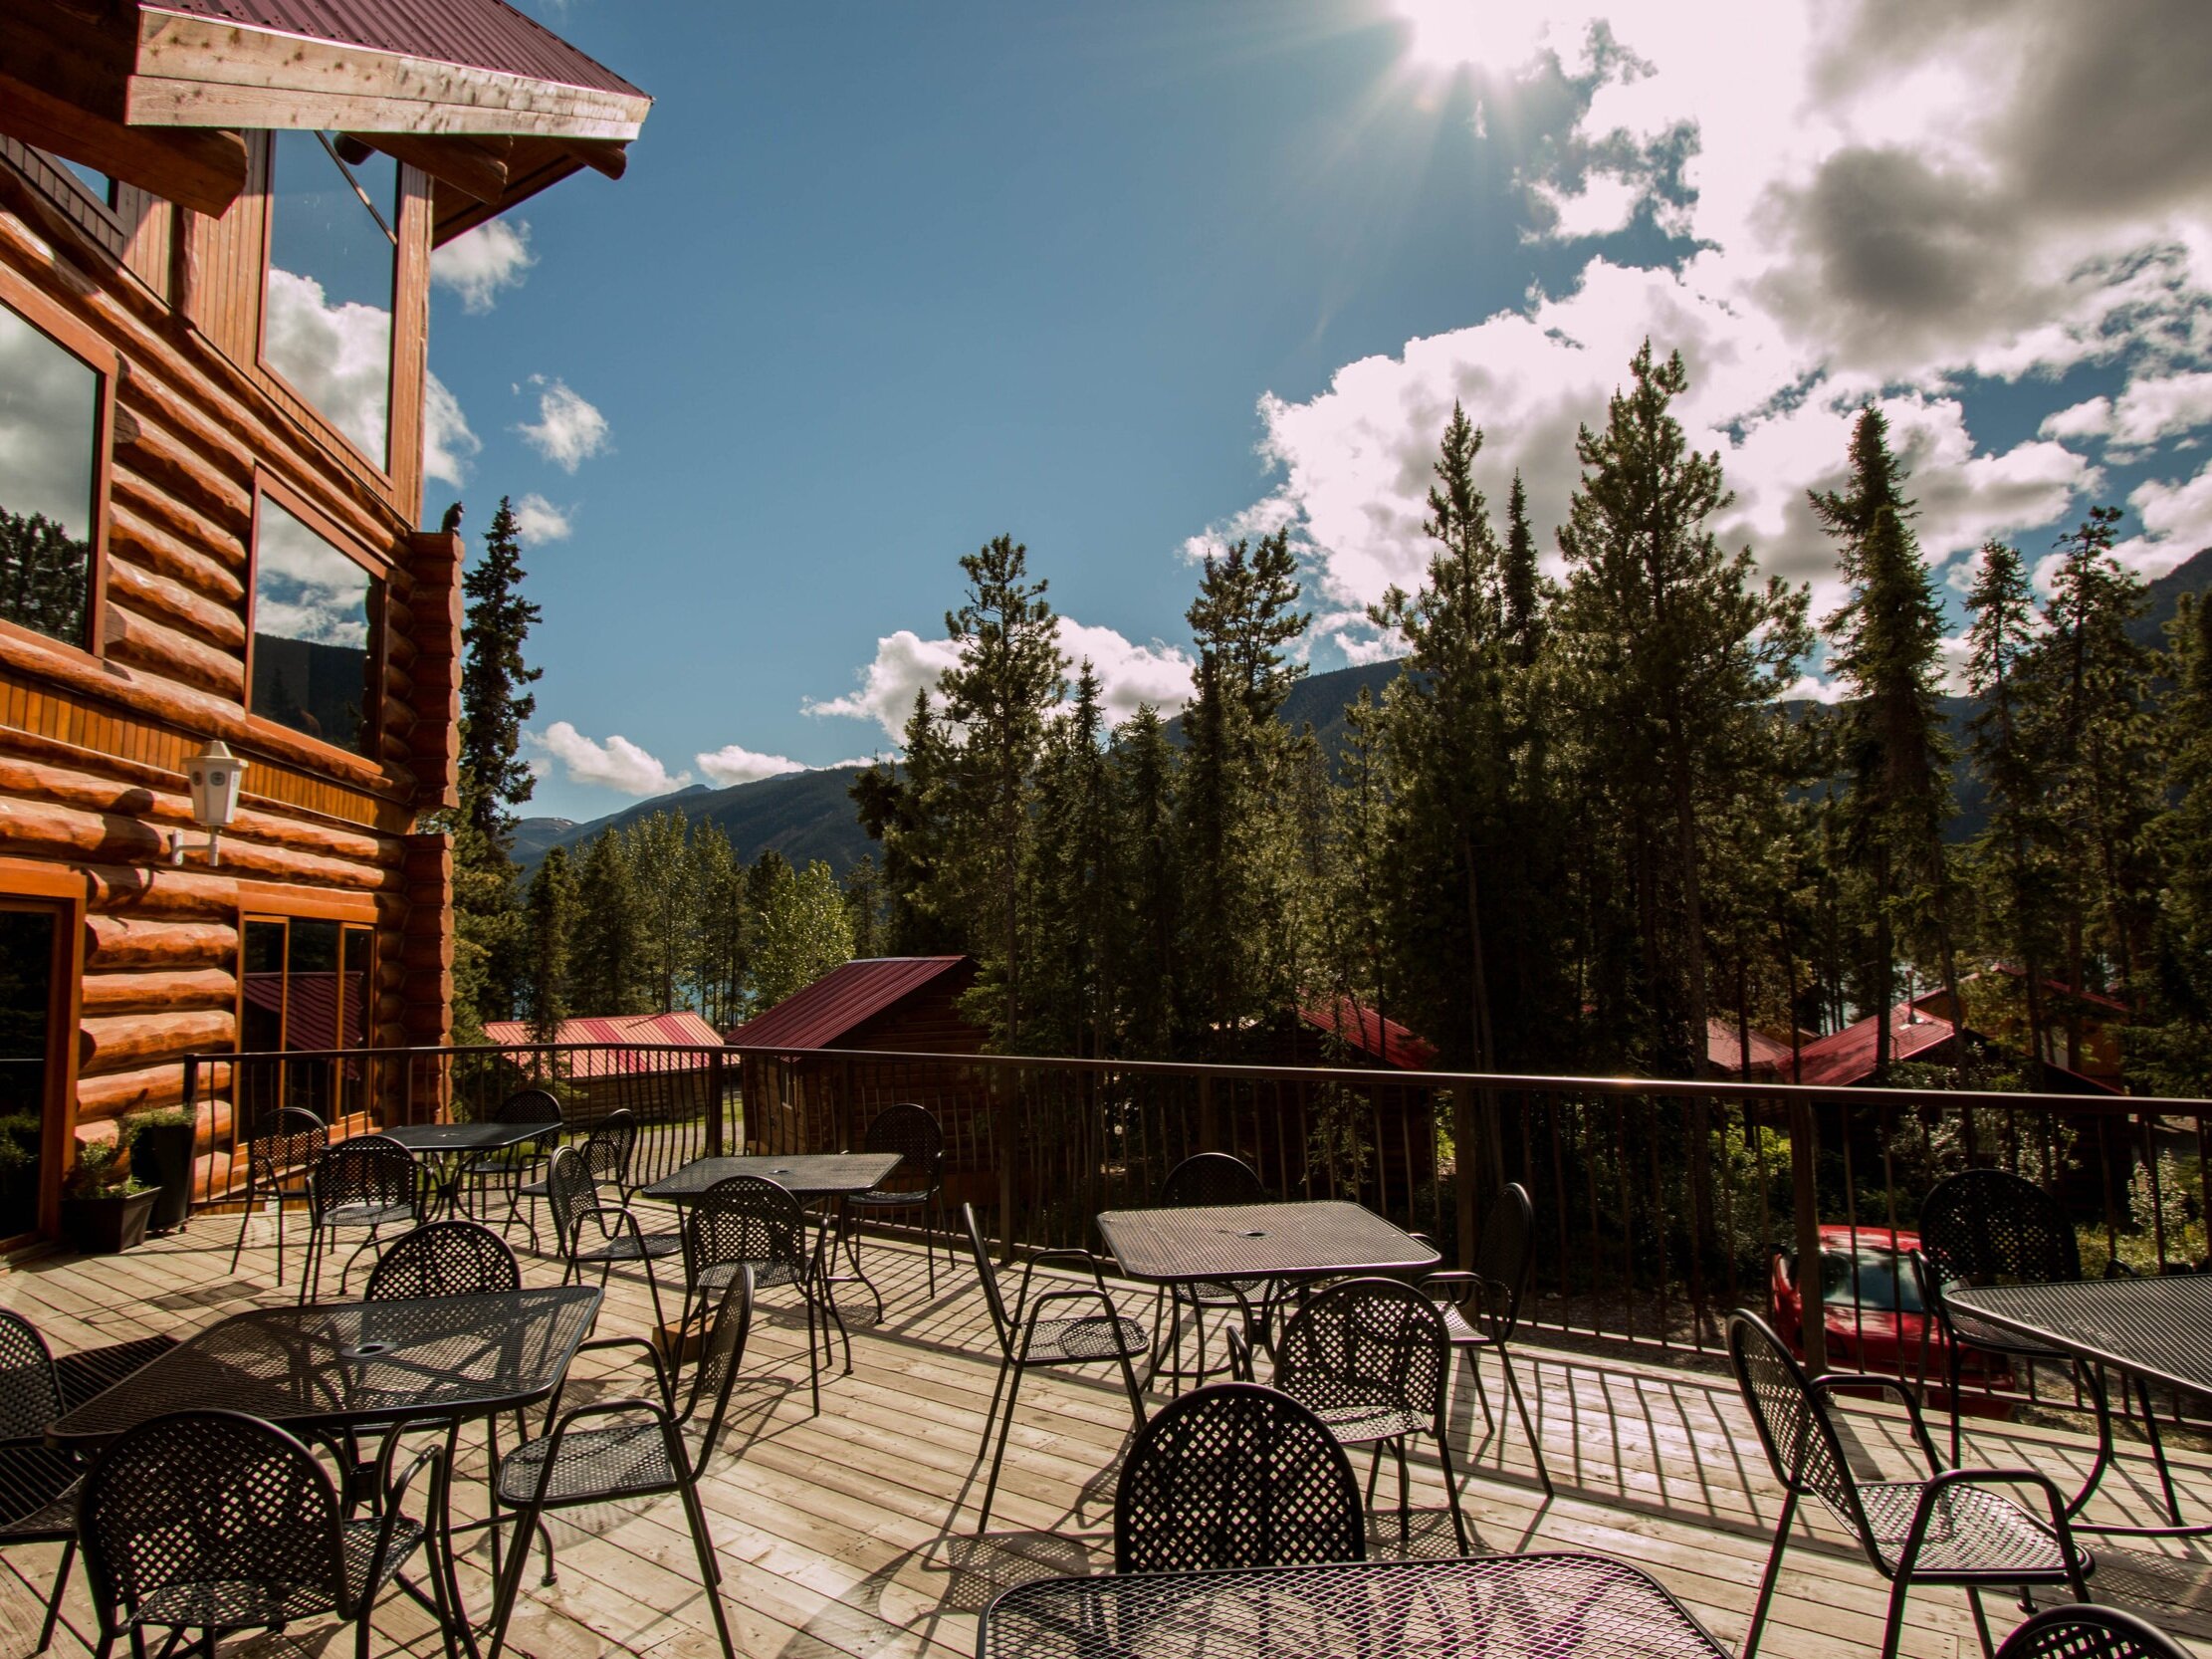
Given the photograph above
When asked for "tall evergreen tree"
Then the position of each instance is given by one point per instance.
(864, 905)
(606, 968)
(1885, 640)
(720, 939)
(2178, 1048)
(495, 677)
(1072, 883)
(1145, 767)
(903, 808)
(664, 886)
(551, 919)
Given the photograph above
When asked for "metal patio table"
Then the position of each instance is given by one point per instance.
(448, 1147)
(333, 1367)
(2159, 1329)
(1547, 1607)
(836, 1176)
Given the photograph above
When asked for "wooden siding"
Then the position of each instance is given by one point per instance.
(93, 742)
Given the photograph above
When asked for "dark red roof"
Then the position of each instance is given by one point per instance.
(1767, 1055)
(819, 1014)
(619, 1032)
(1366, 1031)
(479, 34)
(1847, 1056)
(2059, 987)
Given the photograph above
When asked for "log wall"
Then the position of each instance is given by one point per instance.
(93, 742)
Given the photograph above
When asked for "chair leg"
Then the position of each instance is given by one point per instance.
(1951, 1378)
(54, 1601)
(1981, 1621)
(998, 1456)
(244, 1220)
(814, 1357)
(1452, 1488)
(2158, 1451)
(709, 1572)
(1404, 1494)
(1129, 1384)
(1520, 1404)
(1482, 1394)
(1893, 1629)
(1773, 1571)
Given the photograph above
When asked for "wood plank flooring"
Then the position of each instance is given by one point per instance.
(851, 1534)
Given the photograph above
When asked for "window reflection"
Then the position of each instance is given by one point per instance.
(332, 273)
(49, 467)
(305, 989)
(314, 609)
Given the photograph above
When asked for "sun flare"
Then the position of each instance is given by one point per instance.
(1496, 36)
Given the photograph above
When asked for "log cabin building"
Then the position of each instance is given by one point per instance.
(217, 223)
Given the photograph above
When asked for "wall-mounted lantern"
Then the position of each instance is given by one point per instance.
(214, 773)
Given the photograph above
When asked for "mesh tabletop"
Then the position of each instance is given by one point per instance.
(809, 1175)
(2160, 1328)
(1503, 1607)
(354, 1365)
(1259, 1241)
(434, 1138)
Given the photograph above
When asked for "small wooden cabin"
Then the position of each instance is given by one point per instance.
(216, 224)
(599, 1064)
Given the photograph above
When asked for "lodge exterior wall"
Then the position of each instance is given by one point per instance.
(93, 742)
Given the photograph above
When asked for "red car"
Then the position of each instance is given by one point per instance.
(1872, 1309)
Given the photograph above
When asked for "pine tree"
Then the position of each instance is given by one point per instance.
(1674, 653)
(1145, 769)
(864, 906)
(1072, 883)
(997, 696)
(665, 890)
(44, 576)
(1885, 640)
(2177, 1052)
(494, 676)
(549, 915)
(607, 973)
(1524, 580)
(718, 970)
(902, 808)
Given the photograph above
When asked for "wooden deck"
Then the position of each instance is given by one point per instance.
(850, 1534)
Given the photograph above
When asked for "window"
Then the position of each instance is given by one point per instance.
(305, 989)
(333, 276)
(315, 615)
(50, 440)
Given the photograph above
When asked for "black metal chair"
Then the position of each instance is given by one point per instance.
(1482, 1308)
(1371, 1358)
(1205, 1181)
(38, 1487)
(216, 1521)
(513, 1166)
(637, 1451)
(2090, 1632)
(369, 1183)
(918, 1184)
(443, 1259)
(1992, 1227)
(1028, 1339)
(577, 1209)
(745, 1221)
(1947, 1529)
(607, 1153)
(1235, 1474)
(280, 1148)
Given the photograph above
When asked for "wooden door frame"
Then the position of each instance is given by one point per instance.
(62, 892)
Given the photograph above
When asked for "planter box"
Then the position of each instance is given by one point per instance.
(106, 1226)
(161, 1157)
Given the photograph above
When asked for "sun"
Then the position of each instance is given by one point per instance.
(1495, 36)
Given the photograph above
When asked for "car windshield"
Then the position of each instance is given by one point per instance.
(1871, 1278)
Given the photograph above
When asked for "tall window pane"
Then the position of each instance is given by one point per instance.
(332, 255)
(313, 614)
(49, 468)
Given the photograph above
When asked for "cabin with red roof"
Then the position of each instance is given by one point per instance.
(217, 219)
(647, 1065)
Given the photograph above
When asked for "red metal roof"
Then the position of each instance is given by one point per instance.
(1767, 1055)
(1847, 1056)
(818, 1015)
(2059, 987)
(641, 1031)
(480, 34)
(1366, 1031)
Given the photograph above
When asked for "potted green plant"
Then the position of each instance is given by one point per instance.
(160, 1146)
(103, 1209)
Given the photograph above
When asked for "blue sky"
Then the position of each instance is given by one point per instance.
(884, 281)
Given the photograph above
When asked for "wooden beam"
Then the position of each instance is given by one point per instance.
(191, 71)
(475, 166)
(600, 156)
(204, 170)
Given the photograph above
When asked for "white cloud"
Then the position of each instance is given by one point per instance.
(339, 358)
(537, 521)
(2154, 408)
(447, 443)
(304, 587)
(732, 764)
(1604, 203)
(2090, 420)
(48, 422)
(617, 763)
(2178, 523)
(568, 430)
(479, 264)
(906, 665)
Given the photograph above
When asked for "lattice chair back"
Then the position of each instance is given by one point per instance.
(444, 1259)
(2090, 1630)
(285, 1139)
(608, 1150)
(1800, 1443)
(570, 1193)
(913, 1133)
(531, 1105)
(1367, 1345)
(995, 1295)
(1235, 1474)
(1209, 1178)
(30, 1391)
(721, 1358)
(1990, 1226)
(213, 1519)
(746, 1218)
(1505, 1252)
(368, 1171)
